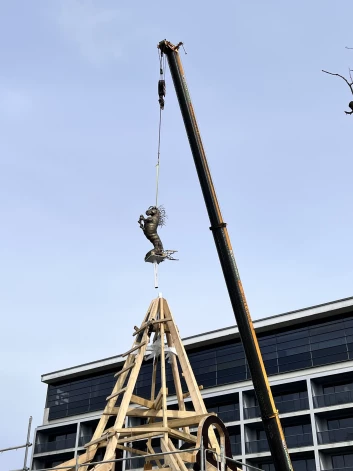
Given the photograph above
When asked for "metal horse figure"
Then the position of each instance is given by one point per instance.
(155, 217)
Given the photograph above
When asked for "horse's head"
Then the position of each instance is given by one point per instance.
(152, 211)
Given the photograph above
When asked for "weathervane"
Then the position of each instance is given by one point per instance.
(156, 217)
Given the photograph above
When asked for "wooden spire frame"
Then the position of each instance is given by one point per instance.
(157, 336)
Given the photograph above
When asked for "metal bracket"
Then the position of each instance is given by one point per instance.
(219, 226)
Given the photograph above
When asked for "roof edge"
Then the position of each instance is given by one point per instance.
(261, 325)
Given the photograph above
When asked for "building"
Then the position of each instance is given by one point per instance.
(308, 356)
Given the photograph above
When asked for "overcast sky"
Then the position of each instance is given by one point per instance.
(79, 122)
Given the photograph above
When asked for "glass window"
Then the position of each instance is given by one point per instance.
(328, 389)
(269, 356)
(268, 467)
(290, 350)
(329, 355)
(299, 365)
(270, 362)
(268, 340)
(267, 348)
(293, 358)
(295, 334)
(304, 465)
(348, 460)
(293, 343)
(338, 461)
(294, 351)
(328, 343)
(333, 424)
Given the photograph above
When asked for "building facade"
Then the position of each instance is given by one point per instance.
(308, 355)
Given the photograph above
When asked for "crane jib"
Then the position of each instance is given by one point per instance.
(269, 413)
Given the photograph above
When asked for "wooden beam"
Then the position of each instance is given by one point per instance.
(159, 397)
(189, 457)
(104, 437)
(136, 347)
(142, 328)
(124, 369)
(172, 424)
(135, 412)
(130, 431)
(169, 459)
(135, 451)
(178, 458)
(154, 376)
(127, 397)
(185, 437)
(189, 377)
(116, 394)
(141, 401)
(187, 421)
(175, 423)
(151, 450)
(187, 394)
(72, 462)
(164, 390)
(176, 378)
(135, 438)
(91, 451)
(161, 321)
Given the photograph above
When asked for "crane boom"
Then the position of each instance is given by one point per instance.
(269, 413)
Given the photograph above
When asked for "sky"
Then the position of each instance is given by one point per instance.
(78, 148)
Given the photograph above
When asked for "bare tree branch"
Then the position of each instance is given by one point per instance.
(350, 85)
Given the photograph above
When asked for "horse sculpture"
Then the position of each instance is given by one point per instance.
(156, 217)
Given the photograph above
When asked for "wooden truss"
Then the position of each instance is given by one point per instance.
(157, 337)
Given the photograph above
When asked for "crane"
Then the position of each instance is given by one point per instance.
(269, 413)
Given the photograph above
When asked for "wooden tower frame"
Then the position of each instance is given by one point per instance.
(157, 337)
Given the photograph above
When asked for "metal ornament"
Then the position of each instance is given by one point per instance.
(156, 217)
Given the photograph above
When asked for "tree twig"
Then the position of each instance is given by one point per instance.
(350, 85)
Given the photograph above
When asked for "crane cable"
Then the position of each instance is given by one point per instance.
(161, 94)
(158, 154)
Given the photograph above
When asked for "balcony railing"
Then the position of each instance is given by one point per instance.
(297, 441)
(135, 464)
(236, 448)
(55, 446)
(230, 415)
(340, 469)
(84, 439)
(333, 399)
(293, 441)
(336, 435)
(292, 405)
(257, 446)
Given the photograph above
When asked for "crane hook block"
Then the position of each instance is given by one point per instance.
(161, 93)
